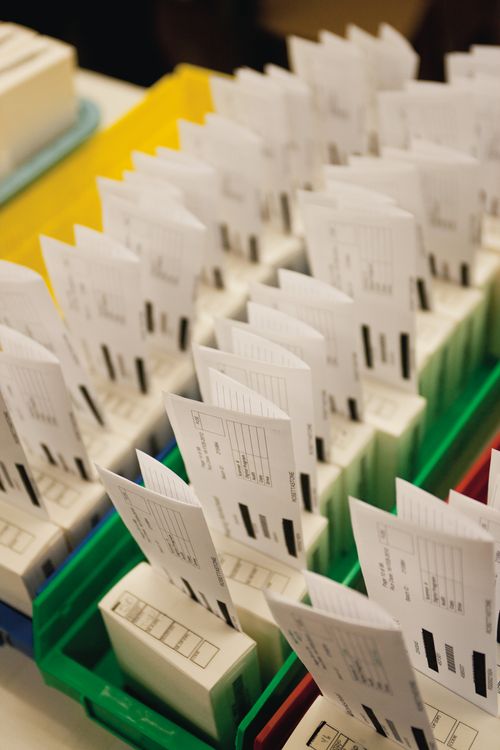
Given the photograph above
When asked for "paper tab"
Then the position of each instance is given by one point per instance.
(489, 519)
(17, 484)
(199, 183)
(357, 655)
(442, 114)
(302, 126)
(240, 461)
(308, 344)
(264, 111)
(167, 522)
(26, 305)
(98, 287)
(332, 314)
(280, 377)
(359, 250)
(451, 195)
(237, 154)
(334, 71)
(36, 394)
(402, 183)
(169, 242)
(433, 570)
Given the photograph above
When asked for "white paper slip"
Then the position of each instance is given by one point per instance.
(239, 458)
(407, 59)
(149, 182)
(237, 154)
(389, 59)
(332, 314)
(489, 518)
(302, 127)
(451, 193)
(98, 287)
(486, 97)
(199, 183)
(265, 112)
(343, 88)
(309, 345)
(442, 114)
(334, 71)
(280, 377)
(357, 655)
(26, 305)
(17, 484)
(392, 119)
(169, 242)
(402, 183)
(167, 522)
(360, 252)
(302, 56)
(494, 480)
(369, 252)
(35, 392)
(433, 570)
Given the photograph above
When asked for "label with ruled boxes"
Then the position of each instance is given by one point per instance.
(253, 575)
(54, 490)
(450, 731)
(166, 630)
(326, 737)
(13, 537)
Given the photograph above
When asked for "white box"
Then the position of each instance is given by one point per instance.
(30, 551)
(37, 100)
(73, 505)
(354, 451)
(110, 450)
(325, 726)
(332, 494)
(249, 573)
(436, 351)
(467, 307)
(316, 541)
(398, 419)
(456, 724)
(139, 418)
(172, 648)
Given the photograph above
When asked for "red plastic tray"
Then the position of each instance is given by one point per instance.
(475, 482)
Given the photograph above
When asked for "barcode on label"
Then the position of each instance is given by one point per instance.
(450, 657)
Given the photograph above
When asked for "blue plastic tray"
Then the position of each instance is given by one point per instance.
(16, 628)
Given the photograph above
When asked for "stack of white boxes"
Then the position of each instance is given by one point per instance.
(37, 96)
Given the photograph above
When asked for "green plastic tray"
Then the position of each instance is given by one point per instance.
(444, 457)
(86, 122)
(71, 645)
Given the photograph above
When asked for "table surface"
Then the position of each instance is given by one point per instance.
(32, 715)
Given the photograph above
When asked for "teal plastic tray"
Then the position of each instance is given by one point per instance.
(86, 122)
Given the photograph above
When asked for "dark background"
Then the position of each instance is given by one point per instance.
(139, 42)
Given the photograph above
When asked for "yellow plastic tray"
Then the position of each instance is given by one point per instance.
(68, 194)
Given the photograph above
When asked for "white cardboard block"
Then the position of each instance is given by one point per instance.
(171, 647)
